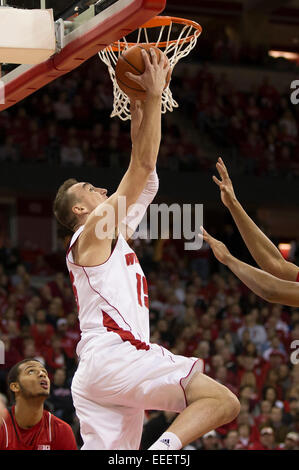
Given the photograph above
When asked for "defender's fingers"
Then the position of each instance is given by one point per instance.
(216, 180)
(222, 170)
(221, 162)
(204, 233)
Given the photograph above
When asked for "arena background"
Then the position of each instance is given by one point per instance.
(234, 92)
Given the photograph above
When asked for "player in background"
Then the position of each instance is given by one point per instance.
(3, 412)
(276, 281)
(26, 425)
(120, 373)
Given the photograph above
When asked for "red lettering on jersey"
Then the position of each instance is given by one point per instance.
(74, 290)
(145, 291)
(140, 286)
(138, 277)
(131, 258)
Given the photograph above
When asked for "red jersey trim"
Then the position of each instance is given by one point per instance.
(297, 278)
(6, 431)
(111, 325)
(186, 377)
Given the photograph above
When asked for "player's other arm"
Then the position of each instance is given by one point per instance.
(265, 285)
(264, 252)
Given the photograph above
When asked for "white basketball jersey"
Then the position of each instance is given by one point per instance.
(112, 298)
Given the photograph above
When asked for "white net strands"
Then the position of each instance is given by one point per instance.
(175, 49)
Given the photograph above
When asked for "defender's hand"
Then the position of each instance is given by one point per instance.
(226, 187)
(219, 249)
(154, 77)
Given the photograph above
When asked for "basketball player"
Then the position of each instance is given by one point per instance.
(120, 373)
(27, 426)
(3, 412)
(277, 280)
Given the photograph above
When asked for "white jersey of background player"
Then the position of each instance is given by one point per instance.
(120, 373)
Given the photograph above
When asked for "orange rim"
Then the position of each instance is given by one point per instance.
(159, 21)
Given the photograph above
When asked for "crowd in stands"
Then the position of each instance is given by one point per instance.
(68, 123)
(262, 125)
(197, 308)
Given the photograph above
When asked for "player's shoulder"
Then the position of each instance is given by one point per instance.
(63, 436)
(57, 422)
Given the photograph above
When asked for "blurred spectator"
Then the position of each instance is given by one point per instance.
(257, 333)
(41, 331)
(9, 151)
(291, 442)
(231, 440)
(55, 356)
(71, 154)
(277, 424)
(62, 109)
(266, 440)
(210, 441)
(244, 437)
(61, 397)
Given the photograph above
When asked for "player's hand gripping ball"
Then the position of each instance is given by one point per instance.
(131, 60)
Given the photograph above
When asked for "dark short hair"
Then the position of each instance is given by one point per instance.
(62, 205)
(13, 376)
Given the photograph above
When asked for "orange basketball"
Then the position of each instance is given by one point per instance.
(131, 60)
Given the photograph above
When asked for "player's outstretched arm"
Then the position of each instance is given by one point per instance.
(264, 252)
(269, 287)
(102, 223)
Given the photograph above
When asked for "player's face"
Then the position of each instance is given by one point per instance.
(33, 380)
(89, 195)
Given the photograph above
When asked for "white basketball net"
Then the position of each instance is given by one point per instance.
(175, 51)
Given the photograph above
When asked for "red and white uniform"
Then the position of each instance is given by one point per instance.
(120, 373)
(111, 297)
(50, 433)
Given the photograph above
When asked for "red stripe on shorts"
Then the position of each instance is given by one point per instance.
(297, 278)
(125, 335)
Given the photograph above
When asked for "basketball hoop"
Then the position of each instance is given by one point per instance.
(186, 33)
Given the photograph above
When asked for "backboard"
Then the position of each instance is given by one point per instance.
(83, 28)
(61, 8)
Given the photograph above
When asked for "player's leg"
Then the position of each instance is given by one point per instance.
(210, 405)
(108, 427)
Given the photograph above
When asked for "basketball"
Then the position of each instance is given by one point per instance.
(132, 61)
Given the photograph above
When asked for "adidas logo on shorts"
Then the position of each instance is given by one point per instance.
(166, 442)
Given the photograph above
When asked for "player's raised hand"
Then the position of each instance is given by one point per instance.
(154, 77)
(225, 185)
(219, 249)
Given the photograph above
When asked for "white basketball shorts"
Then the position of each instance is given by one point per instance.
(114, 384)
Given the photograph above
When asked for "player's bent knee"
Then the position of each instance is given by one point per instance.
(231, 405)
(203, 386)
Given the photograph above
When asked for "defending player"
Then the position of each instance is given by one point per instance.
(26, 425)
(276, 281)
(120, 373)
